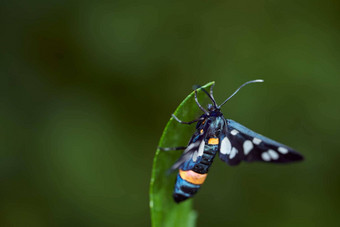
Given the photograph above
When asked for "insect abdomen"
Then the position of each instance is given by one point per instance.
(187, 184)
(189, 181)
(208, 156)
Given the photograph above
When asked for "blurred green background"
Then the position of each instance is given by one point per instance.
(87, 88)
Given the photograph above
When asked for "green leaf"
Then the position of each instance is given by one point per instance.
(164, 211)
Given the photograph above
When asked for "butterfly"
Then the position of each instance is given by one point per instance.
(232, 141)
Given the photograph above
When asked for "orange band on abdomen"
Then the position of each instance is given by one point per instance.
(213, 141)
(193, 177)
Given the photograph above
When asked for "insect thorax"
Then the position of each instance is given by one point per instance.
(216, 125)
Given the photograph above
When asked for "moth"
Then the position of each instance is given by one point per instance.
(232, 141)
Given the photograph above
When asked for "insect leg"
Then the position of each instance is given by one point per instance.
(188, 123)
(199, 105)
(171, 148)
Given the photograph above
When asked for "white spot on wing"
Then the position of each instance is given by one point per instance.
(192, 145)
(273, 154)
(265, 156)
(194, 156)
(247, 146)
(283, 150)
(225, 146)
(257, 141)
(233, 152)
(234, 132)
(201, 149)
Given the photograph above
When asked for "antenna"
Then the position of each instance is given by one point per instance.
(249, 82)
(205, 91)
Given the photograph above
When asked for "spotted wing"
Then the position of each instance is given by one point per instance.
(194, 150)
(240, 143)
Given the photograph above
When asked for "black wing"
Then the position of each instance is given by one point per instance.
(194, 148)
(240, 143)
